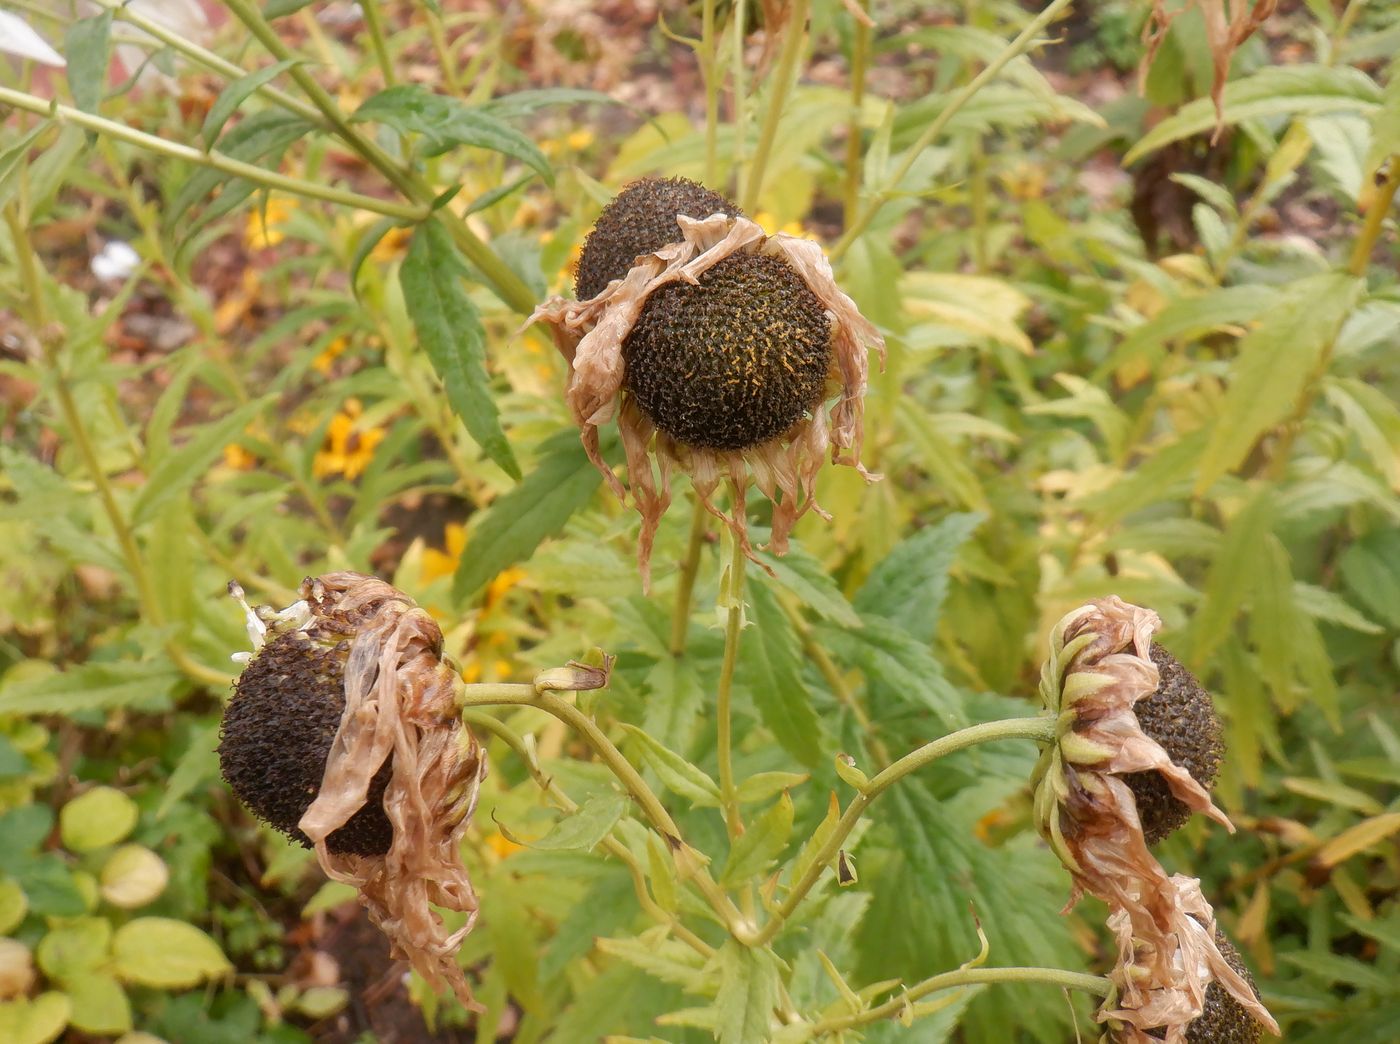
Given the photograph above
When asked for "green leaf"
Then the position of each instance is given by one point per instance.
(132, 876)
(235, 94)
(664, 958)
(1274, 621)
(523, 103)
(369, 239)
(758, 846)
(1234, 573)
(773, 674)
(13, 905)
(100, 817)
(36, 1021)
(748, 992)
(93, 686)
(12, 762)
(763, 785)
(450, 331)
(804, 576)
(1371, 416)
(900, 671)
(679, 776)
(14, 155)
(168, 954)
(907, 586)
(1322, 604)
(583, 829)
(445, 122)
(1275, 90)
(86, 48)
(263, 134)
(179, 469)
(1371, 569)
(73, 949)
(674, 701)
(49, 887)
(1275, 364)
(517, 522)
(282, 8)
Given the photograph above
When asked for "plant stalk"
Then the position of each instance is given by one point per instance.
(783, 77)
(685, 591)
(860, 60)
(1375, 218)
(374, 25)
(728, 794)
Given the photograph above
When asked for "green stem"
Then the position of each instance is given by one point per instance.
(629, 777)
(1022, 43)
(685, 590)
(374, 24)
(218, 161)
(860, 60)
(612, 845)
(1375, 219)
(739, 109)
(1037, 728)
(503, 281)
(707, 54)
(1095, 984)
(783, 77)
(728, 794)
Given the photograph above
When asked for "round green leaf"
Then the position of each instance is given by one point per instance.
(133, 876)
(139, 1037)
(102, 816)
(71, 951)
(13, 905)
(320, 1002)
(36, 1021)
(156, 951)
(100, 1005)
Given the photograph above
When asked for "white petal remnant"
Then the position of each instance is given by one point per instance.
(1099, 667)
(17, 38)
(593, 334)
(399, 711)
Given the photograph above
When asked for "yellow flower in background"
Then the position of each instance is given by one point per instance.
(501, 846)
(348, 449)
(238, 458)
(579, 139)
(266, 223)
(392, 245)
(231, 310)
(770, 225)
(437, 564)
(328, 355)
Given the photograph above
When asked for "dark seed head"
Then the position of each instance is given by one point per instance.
(1180, 716)
(276, 736)
(639, 220)
(1223, 1020)
(733, 361)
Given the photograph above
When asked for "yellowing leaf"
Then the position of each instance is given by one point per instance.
(158, 951)
(1358, 838)
(132, 876)
(977, 305)
(100, 817)
(36, 1021)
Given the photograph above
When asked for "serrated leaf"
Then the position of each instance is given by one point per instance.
(1371, 569)
(1234, 573)
(748, 992)
(680, 776)
(1275, 90)
(100, 817)
(763, 785)
(179, 469)
(661, 957)
(93, 686)
(907, 586)
(1371, 416)
(977, 305)
(1322, 604)
(900, 671)
(1275, 363)
(825, 829)
(773, 673)
(86, 47)
(804, 576)
(583, 829)
(261, 135)
(446, 122)
(523, 103)
(517, 522)
(168, 954)
(674, 701)
(758, 846)
(235, 94)
(450, 331)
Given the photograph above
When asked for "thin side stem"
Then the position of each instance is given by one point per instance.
(1095, 984)
(860, 61)
(1375, 218)
(728, 795)
(783, 77)
(1022, 43)
(708, 54)
(739, 108)
(611, 845)
(374, 25)
(685, 591)
(1037, 728)
(216, 160)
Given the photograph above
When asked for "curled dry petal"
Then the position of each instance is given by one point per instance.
(1099, 667)
(591, 334)
(400, 702)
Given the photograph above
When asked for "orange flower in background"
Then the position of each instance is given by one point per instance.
(392, 245)
(238, 458)
(266, 224)
(348, 448)
(329, 354)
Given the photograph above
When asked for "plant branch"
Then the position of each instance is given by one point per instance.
(1095, 984)
(374, 24)
(1024, 41)
(728, 796)
(1036, 728)
(1375, 218)
(783, 78)
(685, 591)
(860, 60)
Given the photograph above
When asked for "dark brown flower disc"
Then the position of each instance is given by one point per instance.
(639, 220)
(276, 736)
(732, 361)
(1180, 716)
(1223, 1020)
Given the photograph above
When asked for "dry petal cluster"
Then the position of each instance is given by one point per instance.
(593, 336)
(1100, 666)
(399, 716)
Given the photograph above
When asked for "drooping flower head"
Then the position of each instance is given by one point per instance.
(343, 733)
(717, 348)
(1130, 722)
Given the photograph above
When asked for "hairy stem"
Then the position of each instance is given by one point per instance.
(1022, 43)
(685, 590)
(1036, 728)
(783, 77)
(1095, 984)
(728, 795)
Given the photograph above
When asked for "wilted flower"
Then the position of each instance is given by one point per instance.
(343, 733)
(1102, 666)
(717, 347)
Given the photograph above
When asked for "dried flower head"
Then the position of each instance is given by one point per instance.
(343, 733)
(1100, 669)
(716, 351)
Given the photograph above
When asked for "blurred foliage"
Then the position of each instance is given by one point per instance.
(1127, 355)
